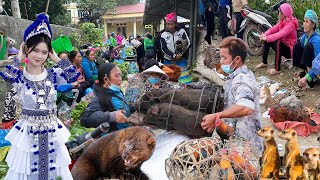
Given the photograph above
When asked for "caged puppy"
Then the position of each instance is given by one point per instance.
(310, 161)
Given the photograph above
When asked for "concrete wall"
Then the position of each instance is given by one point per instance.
(14, 28)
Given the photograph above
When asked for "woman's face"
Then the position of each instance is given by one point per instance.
(77, 59)
(115, 76)
(63, 55)
(155, 75)
(91, 56)
(308, 26)
(38, 55)
(281, 16)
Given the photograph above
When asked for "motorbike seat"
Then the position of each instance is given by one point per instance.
(267, 16)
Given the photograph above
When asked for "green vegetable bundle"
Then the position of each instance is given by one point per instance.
(124, 67)
(76, 129)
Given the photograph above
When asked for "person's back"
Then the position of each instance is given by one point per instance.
(148, 42)
(113, 41)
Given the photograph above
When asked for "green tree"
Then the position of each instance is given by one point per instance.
(91, 34)
(29, 8)
(93, 9)
(299, 8)
(126, 2)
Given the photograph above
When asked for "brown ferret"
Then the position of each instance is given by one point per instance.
(310, 160)
(292, 158)
(117, 153)
(270, 158)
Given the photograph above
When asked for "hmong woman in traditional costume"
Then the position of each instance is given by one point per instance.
(38, 138)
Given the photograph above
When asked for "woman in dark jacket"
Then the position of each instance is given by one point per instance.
(108, 104)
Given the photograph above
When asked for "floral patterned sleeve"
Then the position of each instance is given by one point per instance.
(70, 73)
(64, 72)
(12, 73)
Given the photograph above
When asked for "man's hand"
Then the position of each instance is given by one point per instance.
(208, 122)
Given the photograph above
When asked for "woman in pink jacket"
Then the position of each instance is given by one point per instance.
(119, 39)
(281, 38)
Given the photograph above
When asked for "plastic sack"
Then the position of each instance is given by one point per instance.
(3, 142)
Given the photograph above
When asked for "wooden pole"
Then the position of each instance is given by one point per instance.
(47, 7)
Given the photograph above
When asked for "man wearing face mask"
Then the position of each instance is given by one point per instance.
(241, 98)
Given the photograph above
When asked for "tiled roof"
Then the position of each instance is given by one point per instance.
(137, 8)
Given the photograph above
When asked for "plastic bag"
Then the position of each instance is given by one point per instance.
(3, 142)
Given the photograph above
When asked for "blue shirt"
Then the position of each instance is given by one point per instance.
(89, 68)
(224, 3)
(120, 104)
(314, 39)
(315, 68)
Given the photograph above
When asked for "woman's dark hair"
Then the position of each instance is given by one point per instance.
(236, 47)
(72, 55)
(104, 98)
(149, 36)
(88, 53)
(35, 40)
(150, 63)
(63, 53)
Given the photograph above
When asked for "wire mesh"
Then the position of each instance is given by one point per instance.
(209, 158)
(181, 110)
(192, 159)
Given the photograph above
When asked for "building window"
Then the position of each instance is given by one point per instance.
(122, 30)
(80, 14)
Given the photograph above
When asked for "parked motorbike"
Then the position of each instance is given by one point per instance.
(254, 24)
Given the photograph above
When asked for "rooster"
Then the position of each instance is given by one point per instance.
(242, 166)
(281, 114)
(287, 108)
(226, 171)
(223, 130)
(173, 71)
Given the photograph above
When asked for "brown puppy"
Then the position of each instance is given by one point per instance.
(270, 157)
(115, 154)
(292, 158)
(310, 160)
